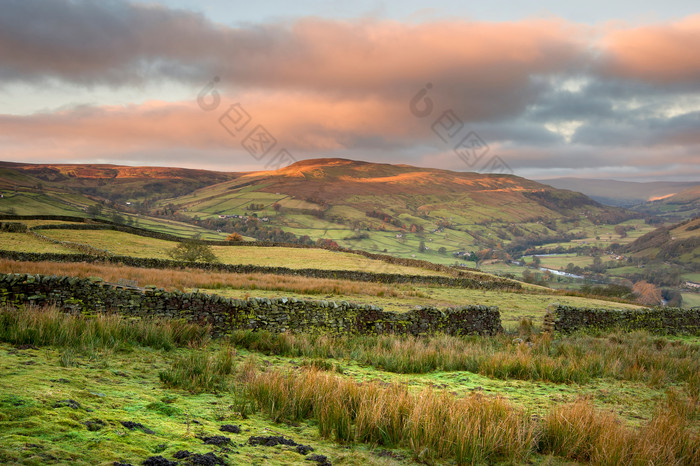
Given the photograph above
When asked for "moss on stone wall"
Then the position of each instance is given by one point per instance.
(225, 314)
(656, 320)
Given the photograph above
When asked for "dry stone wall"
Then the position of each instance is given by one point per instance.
(664, 320)
(224, 314)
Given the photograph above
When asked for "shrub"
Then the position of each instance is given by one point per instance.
(192, 251)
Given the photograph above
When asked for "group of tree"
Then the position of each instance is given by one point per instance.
(386, 218)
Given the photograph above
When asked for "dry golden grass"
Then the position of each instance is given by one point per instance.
(193, 278)
(436, 425)
(432, 424)
(580, 432)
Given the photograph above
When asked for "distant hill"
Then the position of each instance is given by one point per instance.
(685, 204)
(335, 184)
(679, 244)
(114, 182)
(621, 193)
(399, 209)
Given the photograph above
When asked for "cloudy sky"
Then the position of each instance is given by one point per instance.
(550, 88)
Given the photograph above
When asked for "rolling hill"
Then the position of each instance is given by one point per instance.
(678, 244)
(114, 182)
(398, 209)
(682, 205)
(620, 193)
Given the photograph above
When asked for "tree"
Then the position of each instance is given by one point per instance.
(94, 210)
(647, 294)
(421, 246)
(116, 218)
(234, 237)
(597, 266)
(442, 250)
(621, 230)
(192, 250)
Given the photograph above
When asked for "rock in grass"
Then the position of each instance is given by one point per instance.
(67, 403)
(182, 454)
(304, 449)
(271, 441)
(207, 459)
(94, 425)
(320, 459)
(230, 428)
(136, 425)
(217, 440)
(197, 459)
(158, 461)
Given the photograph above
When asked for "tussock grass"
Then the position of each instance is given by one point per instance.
(433, 425)
(476, 429)
(50, 326)
(636, 356)
(199, 371)
(580, 432)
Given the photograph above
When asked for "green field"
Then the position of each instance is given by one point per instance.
(691, 299)
(77, 402)
(76, 397)
(560, 261)
(25, 242)
(512, 306)
(121, 243)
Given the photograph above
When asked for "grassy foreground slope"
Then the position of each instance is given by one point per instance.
(104, 389)
(101, 390)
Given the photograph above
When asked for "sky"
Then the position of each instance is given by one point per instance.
(541, 89)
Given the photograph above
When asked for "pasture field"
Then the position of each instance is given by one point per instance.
(27, 203)
(163, 388)
(531, 303)
(691, 300)
(116, 242)
(560, 261)
(104, 389)
(121, 243)
(25, 242)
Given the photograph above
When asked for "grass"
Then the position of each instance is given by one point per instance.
(691, 300)
(472, 430)
(578, 359)
(200, 371)
(214, 281)
(116, 242)
(121, 243)
(38, 427)
(581, 433)
(74, 383)
(24, 242)
(432, 425)
(50, 326)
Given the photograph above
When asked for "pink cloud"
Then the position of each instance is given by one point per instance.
(661, 53)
